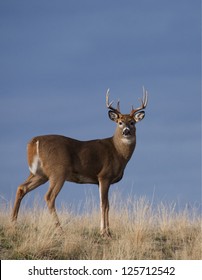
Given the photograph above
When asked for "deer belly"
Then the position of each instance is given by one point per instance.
(81, 179)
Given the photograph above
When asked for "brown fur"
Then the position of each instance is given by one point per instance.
(59, 159)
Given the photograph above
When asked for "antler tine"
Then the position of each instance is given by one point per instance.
(143, 101)
(118, 105)
(145, 93)
(107, 100)
(109, 105)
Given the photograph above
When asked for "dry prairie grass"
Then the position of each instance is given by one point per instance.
(138, 232)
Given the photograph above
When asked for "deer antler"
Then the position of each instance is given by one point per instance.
(143, 101)
(109, 105)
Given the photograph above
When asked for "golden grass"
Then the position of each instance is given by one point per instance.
(139, 231)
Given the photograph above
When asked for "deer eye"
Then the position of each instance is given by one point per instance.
(132, 123)
(120, 123)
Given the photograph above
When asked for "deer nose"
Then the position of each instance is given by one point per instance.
(126, 131)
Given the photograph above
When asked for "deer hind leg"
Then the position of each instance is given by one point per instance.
(54, 189)
(32, 182)
(104, 208)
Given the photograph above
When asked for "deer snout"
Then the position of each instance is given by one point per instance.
(126, 131)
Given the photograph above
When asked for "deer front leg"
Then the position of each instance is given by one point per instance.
(104, 208)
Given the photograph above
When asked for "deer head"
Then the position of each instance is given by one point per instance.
(126, 130)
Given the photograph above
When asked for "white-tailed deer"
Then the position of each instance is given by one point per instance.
(58, 159)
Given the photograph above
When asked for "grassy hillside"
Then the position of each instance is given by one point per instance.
(138, 232)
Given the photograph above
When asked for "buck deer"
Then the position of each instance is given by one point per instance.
(58, 159)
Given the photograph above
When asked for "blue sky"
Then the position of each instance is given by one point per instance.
(57, 60)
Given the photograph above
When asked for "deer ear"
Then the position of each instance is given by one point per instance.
(139, 116)
(113, 116)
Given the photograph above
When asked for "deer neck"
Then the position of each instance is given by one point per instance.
(124, 146)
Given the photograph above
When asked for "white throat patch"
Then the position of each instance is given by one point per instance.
(127, 141)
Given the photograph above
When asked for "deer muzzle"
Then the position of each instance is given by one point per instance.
(126, 132)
